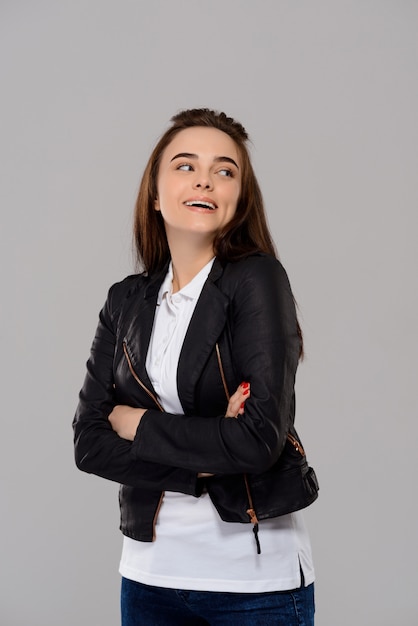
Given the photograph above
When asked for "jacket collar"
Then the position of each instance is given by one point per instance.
(155, 281)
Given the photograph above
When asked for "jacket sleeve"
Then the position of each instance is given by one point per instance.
(98, 449)
(265, 352)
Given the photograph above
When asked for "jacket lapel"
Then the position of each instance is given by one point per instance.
(205, 327)
(138, 332)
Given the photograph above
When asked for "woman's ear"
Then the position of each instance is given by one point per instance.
(156, 204)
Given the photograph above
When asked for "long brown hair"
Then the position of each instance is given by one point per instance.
(246, 233)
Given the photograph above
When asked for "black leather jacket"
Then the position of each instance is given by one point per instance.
(243, 329)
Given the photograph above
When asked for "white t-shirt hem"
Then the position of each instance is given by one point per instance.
(219, 584)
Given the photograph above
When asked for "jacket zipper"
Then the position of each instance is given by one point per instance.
(157, 510)
(140, 383)
(252, 515)
(221, 369)
(152, 396)
(251, 511)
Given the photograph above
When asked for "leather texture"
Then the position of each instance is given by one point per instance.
(247, 309)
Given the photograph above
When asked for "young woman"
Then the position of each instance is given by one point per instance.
(188, 400)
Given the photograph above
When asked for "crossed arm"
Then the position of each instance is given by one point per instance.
(125, 419)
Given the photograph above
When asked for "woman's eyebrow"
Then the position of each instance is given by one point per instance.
(184, 155)
(227, 159)
(190, 155)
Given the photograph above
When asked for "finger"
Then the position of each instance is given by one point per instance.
(236, 402)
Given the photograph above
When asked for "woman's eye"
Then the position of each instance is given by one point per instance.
(185, 167)
(225, 172)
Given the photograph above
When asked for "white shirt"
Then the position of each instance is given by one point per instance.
(194, 548)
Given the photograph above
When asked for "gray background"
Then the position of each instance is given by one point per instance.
(328, 91)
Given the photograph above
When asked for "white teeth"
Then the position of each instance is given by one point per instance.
(209, 205)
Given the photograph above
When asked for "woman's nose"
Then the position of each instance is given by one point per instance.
(203, 181)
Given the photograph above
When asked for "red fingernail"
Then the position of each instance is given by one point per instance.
(242, 405)
(246, 392)
(245, 385)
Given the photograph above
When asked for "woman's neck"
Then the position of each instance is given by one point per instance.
(187, 262)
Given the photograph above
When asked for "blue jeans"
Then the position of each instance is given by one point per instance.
(144, 605)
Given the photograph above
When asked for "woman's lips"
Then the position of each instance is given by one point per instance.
(202, 203)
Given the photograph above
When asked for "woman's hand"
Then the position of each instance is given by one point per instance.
(237, 400)
(125, 420)
(235, 407)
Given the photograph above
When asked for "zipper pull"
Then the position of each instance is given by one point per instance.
(296, 444)
(254, 521)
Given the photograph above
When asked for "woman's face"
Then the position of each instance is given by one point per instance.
(199, 183)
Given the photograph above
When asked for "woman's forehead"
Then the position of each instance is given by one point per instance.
(202, 141)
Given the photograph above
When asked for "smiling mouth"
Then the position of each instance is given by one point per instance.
(202, 205)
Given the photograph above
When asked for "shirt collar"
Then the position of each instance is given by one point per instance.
(191, 290)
